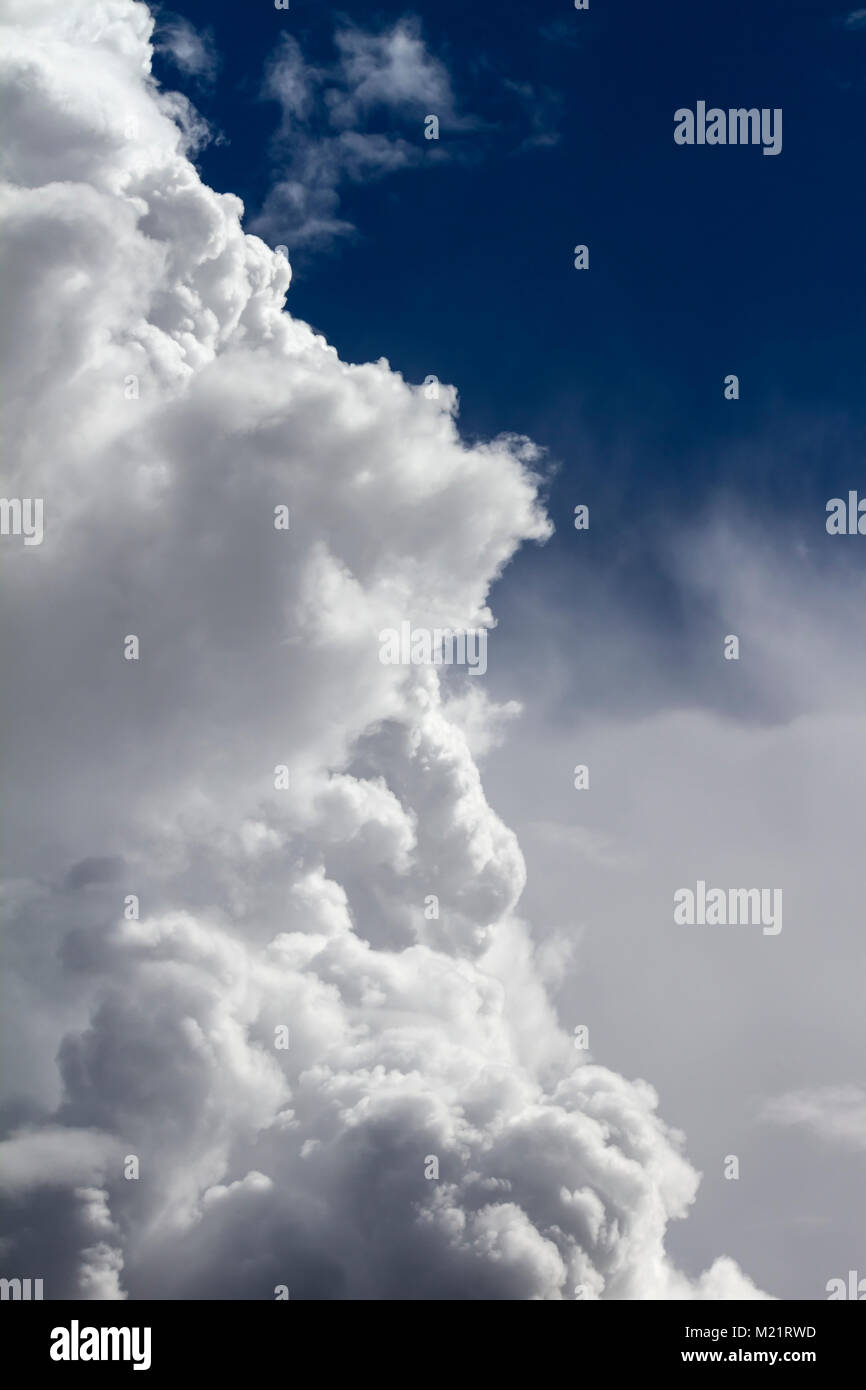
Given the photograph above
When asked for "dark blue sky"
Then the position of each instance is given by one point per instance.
(703, 261)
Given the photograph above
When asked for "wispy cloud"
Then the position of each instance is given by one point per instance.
(364, 116)
(392, 70)
(192, 51)
(325, 138)
(543, 107)
(834, 1113)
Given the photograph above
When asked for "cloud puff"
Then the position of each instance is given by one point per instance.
(363, 117)
(428, 1131)
(192, 52)
(320, 144)
(836, 1114)
(393, 70)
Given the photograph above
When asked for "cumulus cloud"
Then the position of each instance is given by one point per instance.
(163, 403)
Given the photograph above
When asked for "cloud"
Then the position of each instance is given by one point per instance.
(392, 70)
(363, 116)
(543, 107)
(35, 1158)
(193, 52)
(856, 20)
(836, 1114)
(319, 145)
(741, 774)
(163, 403)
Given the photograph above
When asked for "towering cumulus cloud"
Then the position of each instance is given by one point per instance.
(237, 1046)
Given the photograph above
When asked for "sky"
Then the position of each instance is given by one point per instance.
(241, 277)
(703, 262)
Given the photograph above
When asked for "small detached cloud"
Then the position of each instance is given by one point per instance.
(836, 1114)
(193, 52)
(325, 138)
(385, 104)
(392, 70)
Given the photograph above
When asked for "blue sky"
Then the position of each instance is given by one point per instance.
(702, 261)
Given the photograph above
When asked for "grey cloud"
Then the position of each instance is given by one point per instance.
(107, 869)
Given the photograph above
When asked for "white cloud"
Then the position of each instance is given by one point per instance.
(193, 52)
(409, 1037)
(319, 145)
(836, 1114)
(363, 117)
(391, 69)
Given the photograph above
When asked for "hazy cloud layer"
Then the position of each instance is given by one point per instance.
(739, 773)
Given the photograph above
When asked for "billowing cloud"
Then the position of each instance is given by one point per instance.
(249, 1053)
